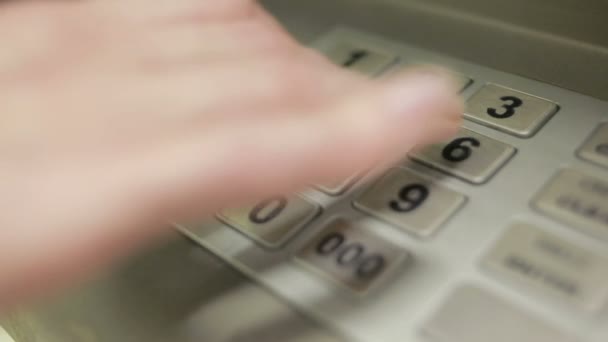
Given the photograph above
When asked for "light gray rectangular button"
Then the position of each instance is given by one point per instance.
(411, 202)
(470, 156)
(471, 314)
(273, 221)
(551, 266)
(358, 56)
(352, 255)
(509, 110)
(595, 149)
(577, 199)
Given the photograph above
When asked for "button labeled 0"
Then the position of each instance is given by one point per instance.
(273, 221)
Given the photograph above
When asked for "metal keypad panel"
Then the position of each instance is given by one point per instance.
(359, 57)
(471, 314)
(548, 264)
(470, 156)
(450, 205)
(595, 149)
(509, 110)
(352, 255)
(577, 199)
(410, 201)
(272, 222)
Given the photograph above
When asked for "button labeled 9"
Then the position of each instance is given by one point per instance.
(410, 201)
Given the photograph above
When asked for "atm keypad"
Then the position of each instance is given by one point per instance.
(444, 196)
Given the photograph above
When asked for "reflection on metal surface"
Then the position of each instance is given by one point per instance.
(4, 336)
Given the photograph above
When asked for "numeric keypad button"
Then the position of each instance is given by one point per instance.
(470, 156)
(359, 57)
(577, 199)
(509, 110)
(411, 202)
(272, 221)
(352, 255)
(595, 149)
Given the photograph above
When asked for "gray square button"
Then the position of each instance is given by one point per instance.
(509, 110)
(411, 202)
(273, 221)
(470, 156)
(359, 57)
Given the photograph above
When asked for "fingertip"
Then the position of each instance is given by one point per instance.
(432, 87)
(384, 120)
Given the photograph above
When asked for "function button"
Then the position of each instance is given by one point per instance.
(357, 56)
(471, 314)
(411, 202)
(595, 149)
(274, 221)
(548, 264)
(577, 199)
(509, 110)
(470, 156)
(352, 255)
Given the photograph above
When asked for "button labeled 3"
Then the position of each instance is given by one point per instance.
(470, 156)
(509, 110)
(273, 221)
(410, 201)
(577, 199)
(352, 256)
(550, 265)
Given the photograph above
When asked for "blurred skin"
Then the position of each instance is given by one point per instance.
(121, 115)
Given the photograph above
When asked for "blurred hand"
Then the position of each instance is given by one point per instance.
(120, 115)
